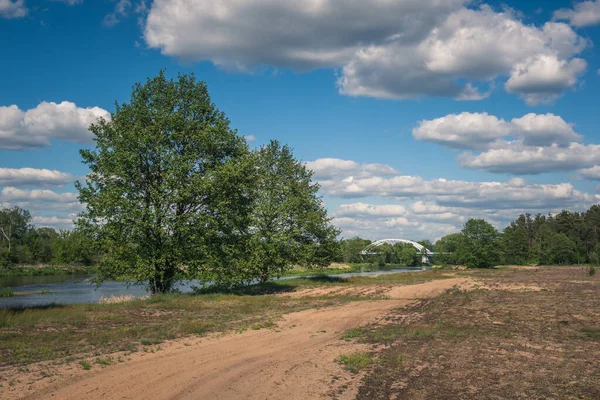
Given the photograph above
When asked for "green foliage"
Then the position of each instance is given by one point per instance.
(481, 245)
(450, 249)
(289, 224)
(167, 196)
(351, 249)
(6, 292)
(355, 362)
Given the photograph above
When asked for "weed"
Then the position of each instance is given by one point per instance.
(591, 270)
(593, 333)
(356, 361)
(149, 342)
(85, 365)
(354, 333)
(104, 362)
(7, 292)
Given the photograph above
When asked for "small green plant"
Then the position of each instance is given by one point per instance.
(354, 333)
(149, 342)
(46, 291)
(104, 362)
(356, 361)
(7, 292)
(85, 365)
(592, 333)
(591, 270)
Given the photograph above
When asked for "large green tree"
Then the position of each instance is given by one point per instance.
(289, 223)
(167, 196)
(481, 245)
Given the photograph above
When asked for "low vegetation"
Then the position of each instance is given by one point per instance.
(536, 336)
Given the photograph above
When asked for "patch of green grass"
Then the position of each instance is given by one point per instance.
(85, 365)
(593, 333)
(7, 292)
(354, 333)
(356, 362)
(104, 362)
(149, 341)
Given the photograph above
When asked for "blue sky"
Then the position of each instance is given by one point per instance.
(414, 117)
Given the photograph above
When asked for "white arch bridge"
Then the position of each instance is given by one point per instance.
(426, 253)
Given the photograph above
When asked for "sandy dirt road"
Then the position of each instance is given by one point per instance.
(295, 361)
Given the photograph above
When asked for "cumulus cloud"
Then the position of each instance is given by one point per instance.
(13, 194)
(473, 45)
(592, 173)
(514, 193)
(328, 168)
(515, 158)
(481, 131)
(34, 177)
(53, 222)
(368, 210)
(302, 35)
(543, 78)
(250, 138)
(585, 13)
(13, 9)
(400, 49)
(471, 131)
(34, 128)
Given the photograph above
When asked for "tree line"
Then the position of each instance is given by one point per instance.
(22, 243)
(564, 238)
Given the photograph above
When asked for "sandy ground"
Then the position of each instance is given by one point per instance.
(294, 361)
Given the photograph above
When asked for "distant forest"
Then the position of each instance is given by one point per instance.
(564, 238)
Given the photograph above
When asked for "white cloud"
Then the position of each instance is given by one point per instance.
(400, 49)
(463, 131)
(13, 9)
(473, 45)
(53, 222)
(34, 177)
(543, 78)
(368, 210)
(36, 127)
(514, 193)
(12, 194)
(515, 158)
(328, 168)
(303, 35)
(250, 138)
(481, 131)
(592, 173)
(585, 13)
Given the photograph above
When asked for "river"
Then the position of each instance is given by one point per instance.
(74, 289)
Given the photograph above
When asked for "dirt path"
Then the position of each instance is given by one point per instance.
(295, 361)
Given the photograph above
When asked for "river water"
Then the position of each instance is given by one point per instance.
(73, 289)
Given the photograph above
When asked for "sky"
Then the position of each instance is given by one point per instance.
(414, 115)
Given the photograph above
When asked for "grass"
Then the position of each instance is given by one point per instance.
(356, 362)
(7, 292)
(50, 332)
(593, 333)
(47, 333)
(85, 365)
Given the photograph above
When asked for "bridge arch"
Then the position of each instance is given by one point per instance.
(370, 249)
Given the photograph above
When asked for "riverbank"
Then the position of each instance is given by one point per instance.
(218, 333)
(46, 270)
